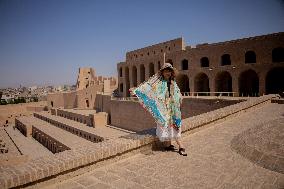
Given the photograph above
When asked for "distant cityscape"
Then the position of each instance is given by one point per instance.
(24, 94)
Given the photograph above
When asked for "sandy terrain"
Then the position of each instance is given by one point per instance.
(10, 111)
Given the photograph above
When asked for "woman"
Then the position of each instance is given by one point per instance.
(161, 96)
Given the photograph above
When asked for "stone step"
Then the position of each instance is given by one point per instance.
(53, 138)
(79, 115)
(80, 129)
(27, 145)
(278, 101)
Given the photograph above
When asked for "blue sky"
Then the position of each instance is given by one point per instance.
(44, 42)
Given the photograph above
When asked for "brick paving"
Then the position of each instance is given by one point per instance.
(263, 145)
(211, 162)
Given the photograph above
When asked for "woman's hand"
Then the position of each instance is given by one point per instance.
(180, 101)
(131, 91)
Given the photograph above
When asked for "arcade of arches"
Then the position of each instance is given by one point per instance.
(201, 83)
(223, 82)
(275, 80)
(251, 74)
(248, 81)
(183, 83)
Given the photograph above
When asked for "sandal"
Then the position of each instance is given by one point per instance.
(170, 148)
(182, 152)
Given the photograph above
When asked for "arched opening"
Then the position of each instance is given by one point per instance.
(151, 69)
(201, 84)
(223, 82)
(204, 62)
(134, 76)
(183, 83)
(274, 81)
(120, 72)
(87, 103)
(248, 83)
(51, 103)
(121, 87)
(159, 65)
(170, 61)
(127, 82)
(250, 57)
(225, 60)
(278, 54)
(142, 73)
(184, 64)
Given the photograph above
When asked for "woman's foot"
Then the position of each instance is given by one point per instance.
(182, 152)
(170, 148)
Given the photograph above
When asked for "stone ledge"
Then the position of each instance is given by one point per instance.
(47, 167)
(278, 101)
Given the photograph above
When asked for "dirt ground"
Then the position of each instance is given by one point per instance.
(10, 111)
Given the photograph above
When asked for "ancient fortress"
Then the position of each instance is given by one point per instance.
(99, 122)
(244, 67)
(88, 85)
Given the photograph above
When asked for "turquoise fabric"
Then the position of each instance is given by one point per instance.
(153, 96)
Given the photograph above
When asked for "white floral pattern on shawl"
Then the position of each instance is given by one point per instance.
(152, 96)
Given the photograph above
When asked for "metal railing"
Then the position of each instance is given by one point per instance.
(124, 98)
(249, 94)
(209, 94)
(196, 94)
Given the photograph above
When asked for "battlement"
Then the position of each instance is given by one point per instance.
(236, 41)
(234, 55)
(87, 77)
(156, 49)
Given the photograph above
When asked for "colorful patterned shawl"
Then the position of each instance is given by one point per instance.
(152, 95)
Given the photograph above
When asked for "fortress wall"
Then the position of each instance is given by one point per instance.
(55, 100)
(35, 108)
(24, 127)
(102, 103)
(196, 106)
(50, 167)
(132, 116)
(138, 68)
(157, 49)
(70, 100)
(47, 141)
(85, 76)
(76, 99)
(88, 94)
(65, 100)
(86, 119)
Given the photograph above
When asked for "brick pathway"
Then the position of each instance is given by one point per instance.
(211, 162)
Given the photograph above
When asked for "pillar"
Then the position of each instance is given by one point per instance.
(212, 85)
(147, 70)
(138, 75)
(262, 83)
(235, 84)
(130, 77)
(191, 84)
